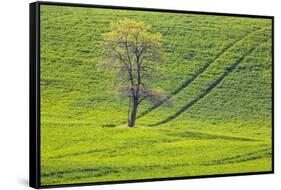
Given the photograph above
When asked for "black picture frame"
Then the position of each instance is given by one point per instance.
(34, 92)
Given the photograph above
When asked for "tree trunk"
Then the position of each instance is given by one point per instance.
(135, 95)
(133, 113)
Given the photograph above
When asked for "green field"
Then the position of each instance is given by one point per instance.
(217, 69)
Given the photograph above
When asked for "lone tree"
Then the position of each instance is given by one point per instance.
(133, 51)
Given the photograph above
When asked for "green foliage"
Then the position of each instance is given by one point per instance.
(128, 45)
(217, 70)
(127, 30)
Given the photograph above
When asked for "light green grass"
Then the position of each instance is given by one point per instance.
(218, 70)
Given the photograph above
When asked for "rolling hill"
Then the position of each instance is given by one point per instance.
(218, 70)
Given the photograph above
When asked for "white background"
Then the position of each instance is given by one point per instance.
(14, 73)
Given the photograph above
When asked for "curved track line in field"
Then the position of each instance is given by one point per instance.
(263, 153)
(78, 153)
(201, 135)
(197, 74)
(55, 173)
(207, 91)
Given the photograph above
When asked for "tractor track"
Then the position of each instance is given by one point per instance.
(196, 75)
(227, 71)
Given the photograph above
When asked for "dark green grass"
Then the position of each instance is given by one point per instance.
(217, 70)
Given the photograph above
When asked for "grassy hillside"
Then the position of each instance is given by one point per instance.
(217, 70)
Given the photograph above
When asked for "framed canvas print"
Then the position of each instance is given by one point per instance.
(120, 94)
